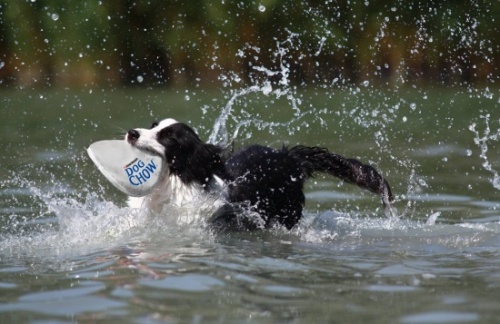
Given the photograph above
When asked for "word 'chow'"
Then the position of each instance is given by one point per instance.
(139, 172)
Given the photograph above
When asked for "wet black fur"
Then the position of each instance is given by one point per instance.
(188, 157)
(264, 185)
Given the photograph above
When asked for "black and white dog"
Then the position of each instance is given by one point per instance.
(256, 187)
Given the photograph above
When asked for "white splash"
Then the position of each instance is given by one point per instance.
(265, 84)
(482, 143)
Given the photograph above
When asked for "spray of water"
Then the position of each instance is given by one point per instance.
(482, 142)
(262, 85)
(64, 221)
(366, 115)
(63, 218)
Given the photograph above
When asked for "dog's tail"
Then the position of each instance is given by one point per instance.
(316, 159)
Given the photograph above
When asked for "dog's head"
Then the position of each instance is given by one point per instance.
(149, 139)
(184, 152)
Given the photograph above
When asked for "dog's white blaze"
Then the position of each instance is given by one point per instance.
(165, 123)
(148, 140)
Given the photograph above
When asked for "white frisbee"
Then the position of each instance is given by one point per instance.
(132, 171)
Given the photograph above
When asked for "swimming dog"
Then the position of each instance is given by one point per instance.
(255, 187)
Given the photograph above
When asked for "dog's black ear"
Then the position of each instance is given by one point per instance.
(188, 156)
(179, 141)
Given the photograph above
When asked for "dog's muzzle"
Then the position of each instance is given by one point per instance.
(132, 136)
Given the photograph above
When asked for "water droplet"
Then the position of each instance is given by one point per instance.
(140, 78)
(366, 83)
(2, 64)
(55, 17)
(496, 181)
(413, 106)
(267, 88)
(262, 8)
(405, 119)
(187, 97)
(469, 152)
(422, 182)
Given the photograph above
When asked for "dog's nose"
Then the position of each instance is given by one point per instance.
(133, 134)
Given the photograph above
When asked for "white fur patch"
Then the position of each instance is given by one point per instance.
(148, 137)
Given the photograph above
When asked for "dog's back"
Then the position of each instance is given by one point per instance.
(269, 182)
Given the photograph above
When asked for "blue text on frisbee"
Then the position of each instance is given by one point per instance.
(140, 172)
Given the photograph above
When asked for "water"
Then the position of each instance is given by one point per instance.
(70, 249)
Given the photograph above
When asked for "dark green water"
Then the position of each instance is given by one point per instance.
(70, 250)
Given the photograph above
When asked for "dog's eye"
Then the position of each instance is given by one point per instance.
(154, 124)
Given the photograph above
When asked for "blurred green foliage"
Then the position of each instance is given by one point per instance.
(193, 43)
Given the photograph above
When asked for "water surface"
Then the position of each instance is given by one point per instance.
(70, 249)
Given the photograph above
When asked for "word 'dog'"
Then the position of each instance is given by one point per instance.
(139, 172)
